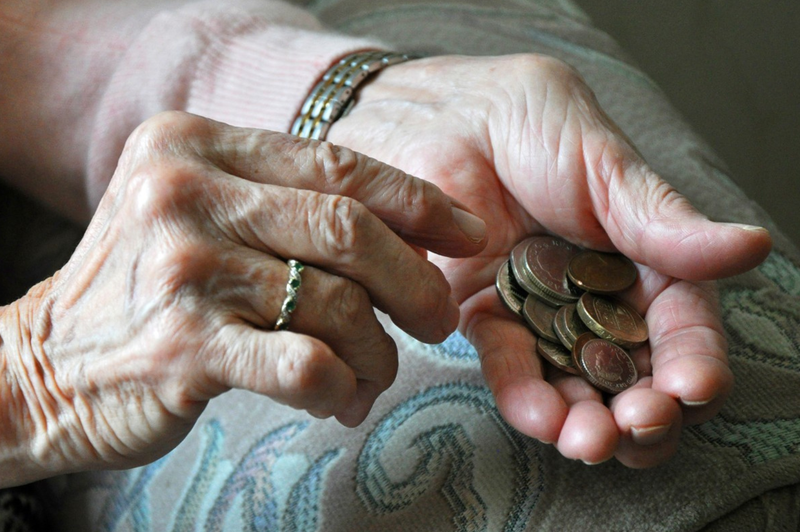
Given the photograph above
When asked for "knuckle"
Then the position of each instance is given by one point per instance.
(554, 68)
(182, 267)
(343, 223)
(416, 195)
(334, 164)
(160, 189)
(300, 375)
(164, 132)
(348, 301)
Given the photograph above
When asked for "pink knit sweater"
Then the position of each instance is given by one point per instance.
(77, 76)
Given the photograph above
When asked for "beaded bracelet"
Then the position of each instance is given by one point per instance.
(334, 95)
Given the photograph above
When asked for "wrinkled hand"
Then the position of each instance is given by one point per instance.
(523, 142)
(171, 297)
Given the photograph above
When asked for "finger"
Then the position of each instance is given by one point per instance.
(573, 389)
(296, 370)
(589, 433)
(649, 424)
(512, 370)
(689, 349)
(415, 209)
(339, 312)
(340, 235)
(332, 309)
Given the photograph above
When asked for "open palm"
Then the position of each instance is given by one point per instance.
(523, 143)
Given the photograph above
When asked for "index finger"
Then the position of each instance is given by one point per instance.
(415, 209)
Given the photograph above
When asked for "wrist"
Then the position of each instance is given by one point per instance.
(335, 93)
(26, 421)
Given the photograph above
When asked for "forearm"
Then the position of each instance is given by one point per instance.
(79, 76)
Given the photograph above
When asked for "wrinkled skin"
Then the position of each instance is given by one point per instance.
(171, 296)
(523, 142)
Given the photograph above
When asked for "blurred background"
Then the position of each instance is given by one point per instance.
(732, 67)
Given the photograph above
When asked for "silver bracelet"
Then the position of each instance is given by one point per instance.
(333, 97)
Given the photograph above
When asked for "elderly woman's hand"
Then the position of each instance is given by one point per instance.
(173, 293)
(522, 140)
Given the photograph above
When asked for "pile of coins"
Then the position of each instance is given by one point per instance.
(560, 291)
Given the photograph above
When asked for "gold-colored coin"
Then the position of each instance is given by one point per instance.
(512, 296)
(601, 273)
(546, 262)
(539, 317)
(560, 328)
(606, 366)
(519, 270)
(557, 355)
(568, 326)
(612, 320)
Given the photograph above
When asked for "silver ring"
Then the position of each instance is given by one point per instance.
(290, 302)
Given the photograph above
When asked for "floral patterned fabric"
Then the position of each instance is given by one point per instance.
(434, 454)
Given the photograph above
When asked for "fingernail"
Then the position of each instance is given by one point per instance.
(649, 435)
(748, 227)
(594, 463)
(696, 403)
(472, 226)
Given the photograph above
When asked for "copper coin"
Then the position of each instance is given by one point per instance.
(568, 326)
(539, 317)
(560, 328)
(520, 272)
(574, 326)
(601, 273)
(607, 366)
(578, 345)
(517, 262)
(536, 292)
(612, 320)
(509, 291)
(557, 355)
(546, 261)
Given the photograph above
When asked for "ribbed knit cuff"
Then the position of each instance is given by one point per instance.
(261, 79)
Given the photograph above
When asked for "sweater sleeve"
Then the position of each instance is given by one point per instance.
(244, 62)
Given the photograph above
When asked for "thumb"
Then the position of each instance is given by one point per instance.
(653, 224)
(599, 192)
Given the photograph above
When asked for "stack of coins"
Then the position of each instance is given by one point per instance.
(561, 291)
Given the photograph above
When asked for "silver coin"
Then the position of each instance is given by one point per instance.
(512, 296)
